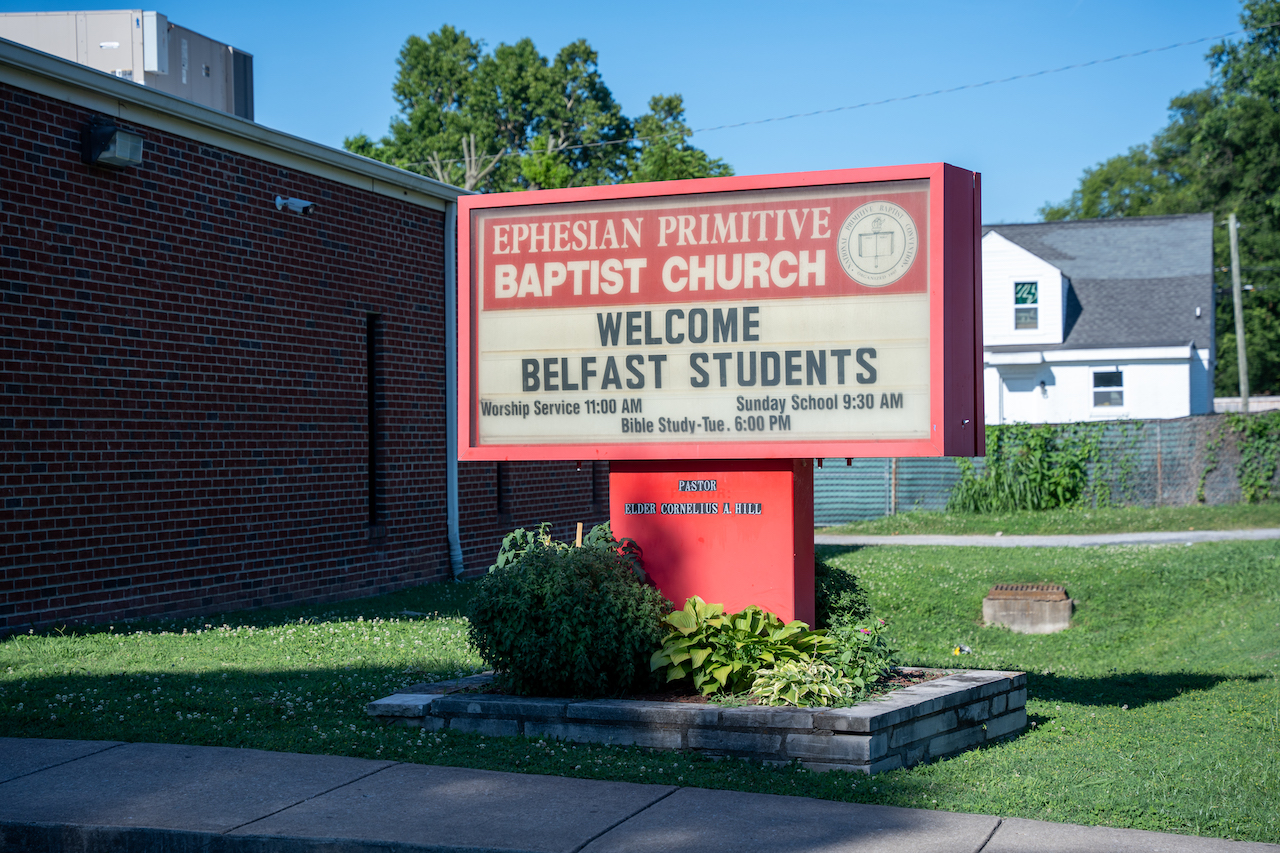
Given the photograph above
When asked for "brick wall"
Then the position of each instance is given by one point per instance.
(562, 493)
(184, 373)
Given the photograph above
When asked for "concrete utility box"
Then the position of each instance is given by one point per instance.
(1028, 608)
(145, 48)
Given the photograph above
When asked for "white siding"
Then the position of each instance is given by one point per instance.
(991, 411)
(1003, 263)
(1152, 389)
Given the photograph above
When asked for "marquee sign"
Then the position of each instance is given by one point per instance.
(804, 315)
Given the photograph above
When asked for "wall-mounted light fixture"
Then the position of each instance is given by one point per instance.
(104, 144)
(297, 205)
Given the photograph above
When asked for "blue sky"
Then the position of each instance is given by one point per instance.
(324, 70)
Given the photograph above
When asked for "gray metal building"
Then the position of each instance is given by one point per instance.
(145, 48)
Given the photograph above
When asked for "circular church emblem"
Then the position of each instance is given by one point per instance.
(877, 243)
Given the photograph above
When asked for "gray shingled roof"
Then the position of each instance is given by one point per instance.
(1135, 281)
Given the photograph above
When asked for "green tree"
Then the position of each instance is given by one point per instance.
(666, 154)
(461, 110)
(580, 131)
(1220, 153)
(1133, 184)
(512, 119)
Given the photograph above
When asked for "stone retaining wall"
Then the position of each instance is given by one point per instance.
(919, 723)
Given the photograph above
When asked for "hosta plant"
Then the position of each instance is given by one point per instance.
(801, 682)
(722, 652)
(860, 656)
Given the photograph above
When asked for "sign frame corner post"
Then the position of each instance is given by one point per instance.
(465, 335)
(961, 324)
(802, 521)
(979, 439)
(711, 338)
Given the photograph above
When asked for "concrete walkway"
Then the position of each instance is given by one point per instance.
(1187, 537)
(90, 796)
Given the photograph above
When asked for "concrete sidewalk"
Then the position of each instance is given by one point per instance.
(1188, 537)
(92, 796)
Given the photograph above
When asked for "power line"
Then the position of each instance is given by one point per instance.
(985, 83)
(898, 99)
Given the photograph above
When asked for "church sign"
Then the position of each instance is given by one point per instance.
(782, 316)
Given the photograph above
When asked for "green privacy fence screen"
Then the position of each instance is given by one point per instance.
(1142, 463)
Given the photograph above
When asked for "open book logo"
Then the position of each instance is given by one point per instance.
(877, 243)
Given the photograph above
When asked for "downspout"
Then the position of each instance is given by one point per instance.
(451, 387)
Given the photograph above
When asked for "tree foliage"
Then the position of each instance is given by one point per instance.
(1220, 153)
(512, 119)
(665, 153)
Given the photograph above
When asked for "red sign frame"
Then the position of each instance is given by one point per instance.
(955, 312)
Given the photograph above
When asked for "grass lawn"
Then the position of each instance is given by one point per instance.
(1108, 520)
(1159, 709)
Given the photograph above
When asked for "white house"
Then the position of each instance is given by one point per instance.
(1098, 319)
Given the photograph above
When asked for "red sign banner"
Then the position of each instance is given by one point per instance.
(706, 249)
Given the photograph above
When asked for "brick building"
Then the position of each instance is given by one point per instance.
(212, 401)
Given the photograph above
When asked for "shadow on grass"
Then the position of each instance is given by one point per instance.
(828, 552)
(447, 600)
(263, 709)
(1134, 689)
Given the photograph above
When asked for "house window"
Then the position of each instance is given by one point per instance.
(1108, 388)
(1026, 305)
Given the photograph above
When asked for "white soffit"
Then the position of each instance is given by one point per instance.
(1086, 356)
(1178, 353)
(1001, 358)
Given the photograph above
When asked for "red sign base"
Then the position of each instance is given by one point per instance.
(735, 533)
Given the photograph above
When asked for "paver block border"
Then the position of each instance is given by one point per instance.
(955, 712)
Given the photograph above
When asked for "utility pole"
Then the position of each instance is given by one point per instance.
(1241, 362)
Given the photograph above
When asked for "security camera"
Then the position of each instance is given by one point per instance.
(297, 205)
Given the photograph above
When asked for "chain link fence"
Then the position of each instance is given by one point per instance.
(1141, 463)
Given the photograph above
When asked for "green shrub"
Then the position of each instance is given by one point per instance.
(556, 620)
(723, 652)
(803, 682)
(600, 537)
(838, 597)
(863, 653)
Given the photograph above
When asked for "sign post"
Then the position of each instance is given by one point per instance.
(734, 532)
(710, 338)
